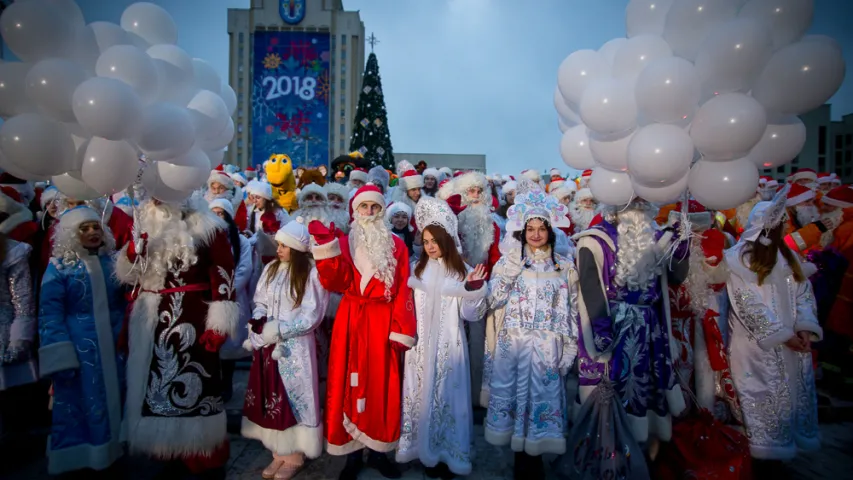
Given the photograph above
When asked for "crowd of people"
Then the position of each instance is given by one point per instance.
(377, 316)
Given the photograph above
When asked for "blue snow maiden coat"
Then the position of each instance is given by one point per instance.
(80, 316)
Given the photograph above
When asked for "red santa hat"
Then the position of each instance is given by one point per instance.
(368, 193)
(763, 180)
(411, 179)
(824, 178)
(557, 183)
(359, 174)
(555, 172)
(803, 174)
(13, 196)
(799, 194)
(459, 173)
(841, 197)
(586, 174)
(219, 176)
(771, 183)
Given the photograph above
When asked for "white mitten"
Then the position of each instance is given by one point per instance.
(271, 333)
(512, 266)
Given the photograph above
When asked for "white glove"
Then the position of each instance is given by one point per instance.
(257, 341)
(832, 220)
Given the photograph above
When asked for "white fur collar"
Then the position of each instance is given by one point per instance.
(14, 220)
(202, 225)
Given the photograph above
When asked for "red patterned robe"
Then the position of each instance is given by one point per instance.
(699, 312)
(174, 407)
(369, 337)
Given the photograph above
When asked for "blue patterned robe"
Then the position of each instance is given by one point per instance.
(80, 316)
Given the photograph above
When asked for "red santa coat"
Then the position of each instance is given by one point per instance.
(369, 337)
(121, 225)
(174, 407)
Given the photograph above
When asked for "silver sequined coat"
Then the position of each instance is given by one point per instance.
(17, 317)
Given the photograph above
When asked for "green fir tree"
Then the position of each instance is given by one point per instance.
(370, 134)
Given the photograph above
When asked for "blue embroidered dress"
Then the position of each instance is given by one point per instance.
(80, 315)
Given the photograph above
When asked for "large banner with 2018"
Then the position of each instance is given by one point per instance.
(290, 97)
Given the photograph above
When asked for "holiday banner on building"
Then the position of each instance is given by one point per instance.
(290, 97)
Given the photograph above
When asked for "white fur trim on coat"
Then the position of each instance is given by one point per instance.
(329, 250)
(57, 357)
(223, 317)
(296, 439)
(402, 339)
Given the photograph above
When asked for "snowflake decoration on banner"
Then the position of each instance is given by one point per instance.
(272, 61)
(367, 89)
(323, 88)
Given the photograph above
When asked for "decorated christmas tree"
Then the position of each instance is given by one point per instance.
(370, 134)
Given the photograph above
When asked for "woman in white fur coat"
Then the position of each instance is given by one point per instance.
(282, 407)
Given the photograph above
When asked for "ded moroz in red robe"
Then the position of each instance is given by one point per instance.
(369, 338)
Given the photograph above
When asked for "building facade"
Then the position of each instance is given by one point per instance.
(452, 161)
(296, 67)
(828, 147)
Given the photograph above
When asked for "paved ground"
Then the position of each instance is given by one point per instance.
(23, 459)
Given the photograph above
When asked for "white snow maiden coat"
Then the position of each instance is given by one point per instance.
(437, 409)
(775, 384)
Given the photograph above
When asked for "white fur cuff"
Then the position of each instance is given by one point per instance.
(271, 334)
(223, 318)
(329, 250)
(125, 270)
(402, 339)
(57, 357)
(809, 326)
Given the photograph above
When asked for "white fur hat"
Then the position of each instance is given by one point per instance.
(563, 191)
(223, 204)
(263, 190)
(333, 188)
(238, 177)
(532, 175)
(48, 195)
(448, 173)
(411, 179)
(218, 176)
(358, 174)
(379, 176)
(396, 208)
(510, 186)
(555, 173)
(73, 217)
(311, 188)
(294, 235)
(584, 193)
(434, 173)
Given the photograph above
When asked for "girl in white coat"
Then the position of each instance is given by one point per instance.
(282, 407)
(437, 414)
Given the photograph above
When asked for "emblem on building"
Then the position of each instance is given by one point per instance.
(292, 11)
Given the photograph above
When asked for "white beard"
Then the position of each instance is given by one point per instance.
(371, 236)
(476, 231)
(581, 217)
(170, 244)
(697, 281)
(340, 217)
(210, 196)
(807, 214)
(311, 211)
(636, 257)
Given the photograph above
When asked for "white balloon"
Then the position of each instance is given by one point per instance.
(728, 126)
(13, 85)
(609, 106)
(215, 158)
(610, 151)
(659, 155)
(825, 40)
(733, 56)
(611, 188)
(209, 113)
(167, 131)
(220, 140)
(782, 142)
(107, 108)
(689, 22)
(799, 78)
(206, 77)
(723, 185)
(667, 90)
(150, 22)
(646, 17)
(155, 187)
(188, 173)
(609, 50)
(73, 186)
(51, 83)
(67, 9)
(80, 148)
(37, 144)
(34, 30)
(13, 169)
(637, 53)
(133, 67)
(176, 68)
(574, 148)
(578, 71)
(561, 124)
(94, 39)
(229, 97)
(109, 166)
(665, 194)
(789, 19)
(570, 116)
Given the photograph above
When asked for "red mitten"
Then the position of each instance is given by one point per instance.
(134, 250)
(212, 340)
(270, 223)
(320, 233)
(257, 324)
(455, 203)
(713, 244)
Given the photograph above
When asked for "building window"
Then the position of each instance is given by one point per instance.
(240, 83)
(343, 42)
(240, 143)
(240, 113)
(240, 128)
(780, 169)
(847, 158)
(240, 36)
(342, 148)
(240, 69)
(343, 69)
(848, 139)
(343, 54)
(839, 158)
(343, 83)
(344, 114)
(343, 129)
(821, 141)
(821, 164)
(839, 141)
(796, 160)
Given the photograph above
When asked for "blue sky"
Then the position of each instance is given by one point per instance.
(469, 76)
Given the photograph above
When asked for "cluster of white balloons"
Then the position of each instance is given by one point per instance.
(700, 95)
(87, 101)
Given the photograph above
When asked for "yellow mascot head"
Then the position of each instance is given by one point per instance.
(279, 170)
